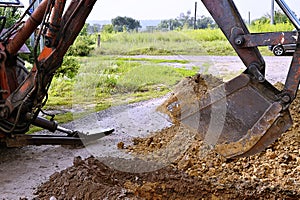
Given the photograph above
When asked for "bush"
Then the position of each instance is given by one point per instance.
(69, 68)
(81, 46)
(108, 28)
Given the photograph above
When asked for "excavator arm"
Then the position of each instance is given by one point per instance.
(250, 99)
(60, 35)
(246, 114)
(23, 102)
(245, 44)
(231, 23)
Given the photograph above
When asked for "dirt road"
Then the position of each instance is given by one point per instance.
(23, 169)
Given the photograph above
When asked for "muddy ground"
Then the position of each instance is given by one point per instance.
(191, 174)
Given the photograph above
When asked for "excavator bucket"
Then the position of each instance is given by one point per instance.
(237, 118)
(245, 115)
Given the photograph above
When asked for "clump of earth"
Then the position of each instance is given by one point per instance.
(197, 172)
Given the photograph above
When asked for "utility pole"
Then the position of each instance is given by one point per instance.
(32, 37)
(99, 40)
(272, 12)
(249, 18)
(195, 18)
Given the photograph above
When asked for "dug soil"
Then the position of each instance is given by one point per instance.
(196, 172)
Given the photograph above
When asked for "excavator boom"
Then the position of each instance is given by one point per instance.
(22, 101)
(246, 114)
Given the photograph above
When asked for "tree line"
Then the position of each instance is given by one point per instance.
(183, 21)
(187, 21)
(128, 24)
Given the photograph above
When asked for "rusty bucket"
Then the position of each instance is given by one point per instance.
(238, 118)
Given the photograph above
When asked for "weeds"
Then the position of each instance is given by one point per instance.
(102, 78)
(186, 42)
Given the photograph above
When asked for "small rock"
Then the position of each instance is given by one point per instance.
(120, 145)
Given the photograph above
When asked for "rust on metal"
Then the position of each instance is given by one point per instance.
(4, 77)
(268, 128)
(50, 58)
(238, 118)
(243, 122)
(28, 28)
(55, 23)
(293, 78)
(266, 39)
(231, 23)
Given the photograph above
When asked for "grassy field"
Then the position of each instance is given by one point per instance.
(198, 42)
(104, 81)
(107, 78)
(185, 42)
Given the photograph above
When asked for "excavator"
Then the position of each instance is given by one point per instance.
(242, 116)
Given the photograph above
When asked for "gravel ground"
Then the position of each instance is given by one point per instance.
(22, 170)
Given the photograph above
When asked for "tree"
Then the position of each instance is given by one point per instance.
(108, 28)
(84, 30)
(205, 22)
(82, 46)
(186, 21)
(170, 24)
(121, 24)
(12, 15)
(279, 17)
(164, 25)
(94, 28)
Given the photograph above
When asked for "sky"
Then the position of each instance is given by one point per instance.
(167, 9)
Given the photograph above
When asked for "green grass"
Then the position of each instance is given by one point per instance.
(163, 43)
(107, 81)
(153, 60)
(169, 36)
(259, 28)
(147, 77)
(185, 42)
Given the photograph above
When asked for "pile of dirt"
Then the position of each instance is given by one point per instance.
(186, 93)
(275, 169)
(196, 173)
(91, 179)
